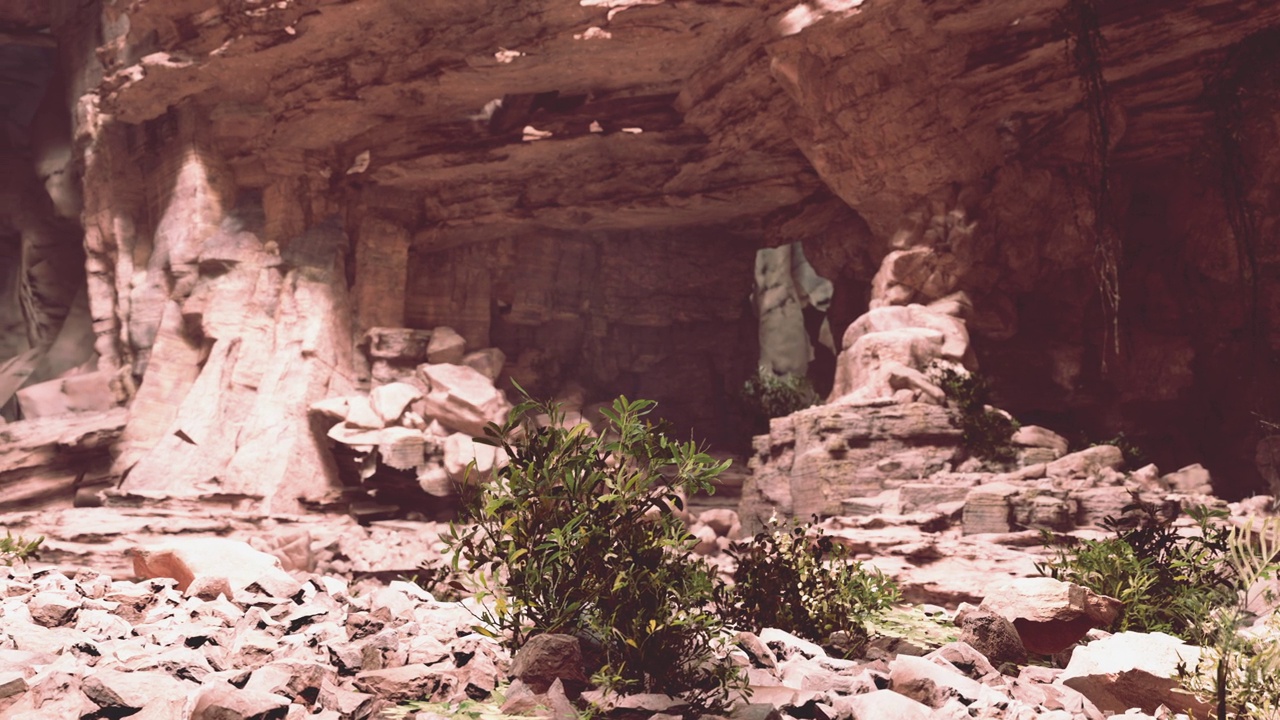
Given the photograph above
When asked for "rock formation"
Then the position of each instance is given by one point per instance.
(262, 258)
(585, 186)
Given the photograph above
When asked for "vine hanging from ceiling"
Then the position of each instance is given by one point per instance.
(1085, 47)
(1241, 76)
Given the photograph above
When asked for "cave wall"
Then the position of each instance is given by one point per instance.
(585, 186)
(925, 116)
(646, 313)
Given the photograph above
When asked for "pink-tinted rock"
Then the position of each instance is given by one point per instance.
(223, 701)
(446, 346)
(887, 705)
(461, 398)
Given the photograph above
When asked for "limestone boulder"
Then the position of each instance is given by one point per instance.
(992, 635)
(390, 401)
(404, 345)
(880, 364)
(1135, 670)
(543, 659)
(97, 391)
(887, 705)
(446, 346)
(1190, 480)
(1050, 615)
(461, 398)
(917, 274)
(812, 461)
(223, 701)
(44, 462)
(988, 508)
(1034, 436)
(488, 362)
(955, 334)
(401, 448)
(124, 691)
(1086, 464)
(361, 413)
(461, 450)
(933, 683)
(187, 560)
(394, 352)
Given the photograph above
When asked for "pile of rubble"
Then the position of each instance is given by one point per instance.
(219, 630)
(222, 631)
(412, 433)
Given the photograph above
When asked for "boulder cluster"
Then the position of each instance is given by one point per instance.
(431, 397)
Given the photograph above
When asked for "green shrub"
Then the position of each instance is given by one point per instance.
(14, 548)
(1242, 669)
(1168, 581)
(1197, 587)
(578, 535)
(769, 395)
(986, 433)
(791, 578)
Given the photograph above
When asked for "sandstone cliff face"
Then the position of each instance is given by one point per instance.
(584, 184)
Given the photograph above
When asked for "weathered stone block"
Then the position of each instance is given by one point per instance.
(814, 460)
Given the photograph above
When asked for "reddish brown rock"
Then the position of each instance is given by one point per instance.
(1050, 615)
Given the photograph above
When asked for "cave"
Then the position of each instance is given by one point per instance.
(932, 297)
(190, 191)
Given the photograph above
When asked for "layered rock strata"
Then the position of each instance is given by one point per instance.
(586, 186)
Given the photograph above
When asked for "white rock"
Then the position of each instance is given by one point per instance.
(707, 537)
(401, 448)
(460, 450)
(390, 401)
(488, 362)
(932, 683)
(887, 705)
(790, 644)
(360, 414)
(1086, 463)
(1134, 670)
(334, 407)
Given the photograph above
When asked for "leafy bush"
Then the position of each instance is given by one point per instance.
(578, 534)
(788, 577)
(986, 433)
(1167, 581)
(1198, 587)
(1242, 667)
(769, 395)
(14, 548)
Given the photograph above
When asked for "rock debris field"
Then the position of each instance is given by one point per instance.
(219, 630)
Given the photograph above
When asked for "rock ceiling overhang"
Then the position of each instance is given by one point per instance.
(662, 115)
(908, 97)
